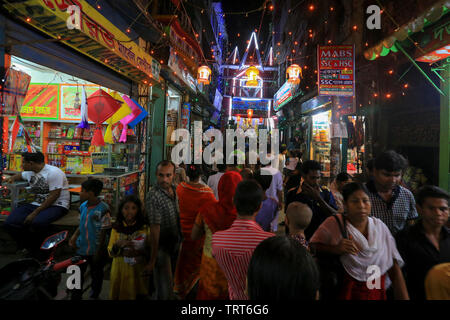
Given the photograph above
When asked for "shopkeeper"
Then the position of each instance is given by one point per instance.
(29, 223)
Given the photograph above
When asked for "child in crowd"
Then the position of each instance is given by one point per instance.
(298, 217)
(91, 236)
(129, 247)
(269, 208)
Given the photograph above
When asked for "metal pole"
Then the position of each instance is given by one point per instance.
(419, 68)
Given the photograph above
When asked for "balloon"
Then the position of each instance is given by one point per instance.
(101, 106)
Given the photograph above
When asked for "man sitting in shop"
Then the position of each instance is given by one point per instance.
(29, 223)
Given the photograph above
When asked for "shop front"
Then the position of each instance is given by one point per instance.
(319, 130)
(58, 78)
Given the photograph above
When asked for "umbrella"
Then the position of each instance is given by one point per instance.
(101, 106)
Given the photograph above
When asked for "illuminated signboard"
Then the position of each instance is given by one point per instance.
(434, 44)
(283, 95)
(336, 74)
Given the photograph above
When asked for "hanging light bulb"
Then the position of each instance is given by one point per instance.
(204, 75)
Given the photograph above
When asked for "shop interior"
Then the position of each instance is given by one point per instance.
(51, 113)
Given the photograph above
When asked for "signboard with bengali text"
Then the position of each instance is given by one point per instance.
(336, 70)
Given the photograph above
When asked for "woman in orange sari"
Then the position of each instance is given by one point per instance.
(191, 196)
(215, 216)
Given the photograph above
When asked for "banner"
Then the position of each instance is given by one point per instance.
(68, 95)
(336, 74)
(97, 38)
(41, 102)
(180, 69)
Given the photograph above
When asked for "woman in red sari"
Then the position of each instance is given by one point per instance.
(215, 216)
(191, 196)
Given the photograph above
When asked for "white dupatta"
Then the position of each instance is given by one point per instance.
(379, 249)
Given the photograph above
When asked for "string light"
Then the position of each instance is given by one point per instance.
(311, 7)
(28, 19)
(388, 95)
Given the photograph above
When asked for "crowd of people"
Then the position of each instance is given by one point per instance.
(216, 235)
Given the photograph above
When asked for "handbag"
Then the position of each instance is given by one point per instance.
(331, 269)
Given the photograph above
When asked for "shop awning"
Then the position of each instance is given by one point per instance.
(430, 16)
(96, 37)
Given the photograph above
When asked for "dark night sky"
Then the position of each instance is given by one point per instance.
(239, 23)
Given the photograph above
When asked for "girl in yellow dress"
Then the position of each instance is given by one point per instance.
(129, 246)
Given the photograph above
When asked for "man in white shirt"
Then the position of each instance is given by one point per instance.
(213, 180)
(29, 222)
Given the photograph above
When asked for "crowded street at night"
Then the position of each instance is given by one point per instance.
(186, 153)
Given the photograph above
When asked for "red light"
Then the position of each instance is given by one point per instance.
(271, 7)
(28, 19)
(311, 8)
(388, 96)
(406, 85)
(128, 30)
(355, 28)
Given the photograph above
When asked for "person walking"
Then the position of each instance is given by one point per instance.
(165, 230)
(213, 217)
(233, 248)
(191, 196)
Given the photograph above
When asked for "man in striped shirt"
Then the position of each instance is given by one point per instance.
(234, 247)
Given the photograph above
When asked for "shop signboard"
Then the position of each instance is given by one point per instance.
(41, 102)
(283, 95)
(177, 65)
(336, 74)
(255, 105)
(434, 43)
(97, 37)
(185, 115)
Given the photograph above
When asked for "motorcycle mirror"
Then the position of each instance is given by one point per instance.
(54, 240)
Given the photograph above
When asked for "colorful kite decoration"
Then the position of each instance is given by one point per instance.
(141, 115)
(101, 106)
(124, 111)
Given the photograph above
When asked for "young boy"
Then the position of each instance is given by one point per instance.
(298, 217)
(90, 237)
(233, 248)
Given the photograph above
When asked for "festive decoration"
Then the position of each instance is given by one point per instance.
(14, 90)
(293, 73)
(135, 112)
(238, 118)
(101, 106)
(84, 111)
(204, 75)
(252, 73)
(249, 113)
(124, 111)
(139, 113)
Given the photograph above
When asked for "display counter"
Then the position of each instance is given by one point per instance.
(115, 187)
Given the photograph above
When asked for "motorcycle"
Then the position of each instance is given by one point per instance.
(28, 279)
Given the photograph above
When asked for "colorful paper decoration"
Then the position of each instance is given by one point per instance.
(204, 75)
(84, 111)
(293, 73)
(124, 111)
(15, 89)
(141, 115)
(101, 106)
(135, 111)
